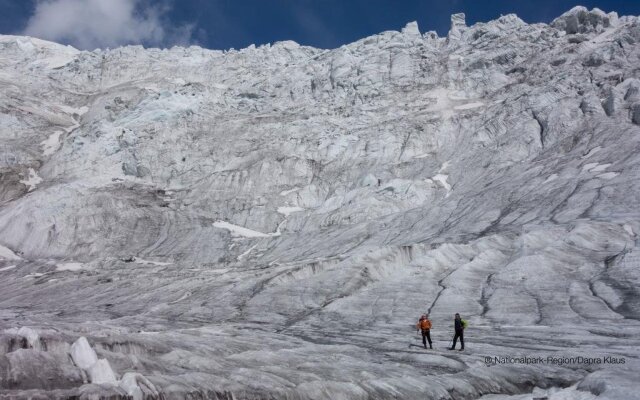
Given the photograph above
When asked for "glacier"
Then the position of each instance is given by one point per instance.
(269, 223)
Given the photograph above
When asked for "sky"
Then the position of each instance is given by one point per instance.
(225, 24)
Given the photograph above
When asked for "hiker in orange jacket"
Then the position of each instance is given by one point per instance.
(424, 325)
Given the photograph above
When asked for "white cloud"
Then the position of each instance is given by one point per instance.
(90, 24)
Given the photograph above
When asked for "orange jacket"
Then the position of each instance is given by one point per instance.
(423, 324)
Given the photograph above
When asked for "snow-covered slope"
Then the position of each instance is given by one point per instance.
(270, 222)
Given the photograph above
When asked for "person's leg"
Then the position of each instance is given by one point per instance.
(455, 339)
(429, 340)
(424, 340)
(461, 340)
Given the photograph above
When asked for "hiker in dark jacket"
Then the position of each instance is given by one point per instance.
(424, 325)
(458, 326)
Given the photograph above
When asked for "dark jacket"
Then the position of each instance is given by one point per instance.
(457, 323)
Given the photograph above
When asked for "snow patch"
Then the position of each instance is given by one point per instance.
(240, 231)
(595, 167)
(184, 296)
(246, 253)
(442, 179)
(7, 268)
(56, 61)
(51, 144)
(608, 294)
(592, 152)
(469, 106)
(72, 266)
(423, 155)
(159, 263)
(7, 254)
(626, 227)
(48, 55)
(608, 175)
(444, 166)
(33, 180)
(455, 97)
(369, 180)
(286, 192)
(600, 168)
(443, 103)
(289, 210)
(551, 178)
(72, 110)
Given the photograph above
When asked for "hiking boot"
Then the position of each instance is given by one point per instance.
(461, 350)
(450, 348)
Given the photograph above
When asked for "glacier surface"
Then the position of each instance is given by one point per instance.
(269, 223)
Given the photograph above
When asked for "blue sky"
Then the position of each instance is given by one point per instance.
(223, 24)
